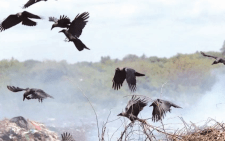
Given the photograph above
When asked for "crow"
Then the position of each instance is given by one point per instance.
(134, 106)
(128, 74)
(218, 59)
(63, 22)
(75, 30)
(15, 19)
(30, 93)
(31, 2)
(67, 137)
(160, 108)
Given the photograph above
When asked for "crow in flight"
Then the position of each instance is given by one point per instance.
(160, 107)
(134, 106)
(128, 74)
(218, 59)
(63, 22)
(23, 17)
(67, 137)
(31, 2)
(30, 93)
(75, 30)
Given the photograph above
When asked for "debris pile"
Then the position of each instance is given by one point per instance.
(209, 132)
(20, 129)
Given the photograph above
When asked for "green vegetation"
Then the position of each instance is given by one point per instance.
(185, 74)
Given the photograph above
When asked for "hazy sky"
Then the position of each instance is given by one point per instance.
(116, 28)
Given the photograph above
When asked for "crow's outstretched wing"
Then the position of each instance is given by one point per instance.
(206, 55)
(53, 19)
(37, 94)
(29, 22)
(160, 108)
(30, 2)
(10, 21)
(158, 113)
(118, 79)
(64, 20)
(135, 105)
(131, 79)
(41, 94)
(67, 137)
(15, 89)
(78, 24)
(30, 15)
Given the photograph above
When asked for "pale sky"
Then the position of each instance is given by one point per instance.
(116, 28)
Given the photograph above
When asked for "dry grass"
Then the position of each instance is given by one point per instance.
(211, 131)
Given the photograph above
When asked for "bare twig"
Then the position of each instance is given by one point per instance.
(162, 89)
(90, 104)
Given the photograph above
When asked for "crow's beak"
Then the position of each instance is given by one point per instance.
(60, 31)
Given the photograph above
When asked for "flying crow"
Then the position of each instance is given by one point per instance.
(218, 59)
(128, 74)
(31, 2)
(134, 106)
(63, 22)
(30, 93)
(67, 137)
(23, 17)
(75, 30)
(160, 108)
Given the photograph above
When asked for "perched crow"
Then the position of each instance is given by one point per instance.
(218, 59)
(63, 22)
(20, 121)
(134, 106)
(30, 93)
(160, 107)
(23, 17)
(67, 137)
(31, 2)
(128, 74)
(75, 30)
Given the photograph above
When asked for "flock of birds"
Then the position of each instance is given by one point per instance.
(72, 31)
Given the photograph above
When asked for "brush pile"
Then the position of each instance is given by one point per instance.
(20, 129)
(211, 131)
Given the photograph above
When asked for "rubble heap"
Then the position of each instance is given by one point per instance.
(20, 129)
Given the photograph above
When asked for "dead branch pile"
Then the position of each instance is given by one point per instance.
(10, 131)
(211, 131)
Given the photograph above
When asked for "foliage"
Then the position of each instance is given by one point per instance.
(185, 73)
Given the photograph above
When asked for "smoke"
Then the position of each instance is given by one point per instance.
(70, 108)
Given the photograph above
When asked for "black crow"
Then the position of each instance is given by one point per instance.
(75, 30)
(218, 59)
(63, 22)
(23, 17)
(30, 93)
(67, 137)
(134, 106)
(160, 108)
(31, 2)
(128, 74)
